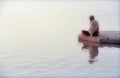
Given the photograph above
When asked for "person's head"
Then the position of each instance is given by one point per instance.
(91, 18)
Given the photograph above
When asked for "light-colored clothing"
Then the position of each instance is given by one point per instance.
(94, 26)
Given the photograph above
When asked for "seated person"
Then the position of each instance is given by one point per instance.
(94, 28)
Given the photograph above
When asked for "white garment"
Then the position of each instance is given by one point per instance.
(94, 25)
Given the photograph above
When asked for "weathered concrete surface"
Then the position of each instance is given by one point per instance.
(110, 37)
(90, 44)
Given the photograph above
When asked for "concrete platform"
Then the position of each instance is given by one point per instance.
(92, 44)
(110, 37)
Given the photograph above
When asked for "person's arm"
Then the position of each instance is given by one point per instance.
(91, 30)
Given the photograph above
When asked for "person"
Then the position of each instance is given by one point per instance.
(94, 28)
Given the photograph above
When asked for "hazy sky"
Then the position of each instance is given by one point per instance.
(60, 0)
(63, 12)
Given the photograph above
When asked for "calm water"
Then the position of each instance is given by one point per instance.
(39, 39)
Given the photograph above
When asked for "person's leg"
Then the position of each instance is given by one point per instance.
(85, 33)
(95, 33)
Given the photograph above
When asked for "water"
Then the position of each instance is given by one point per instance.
(39, 39)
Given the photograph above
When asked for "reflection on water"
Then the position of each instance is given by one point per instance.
(93, 49)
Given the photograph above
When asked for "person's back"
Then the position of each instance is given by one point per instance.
(94, 28)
